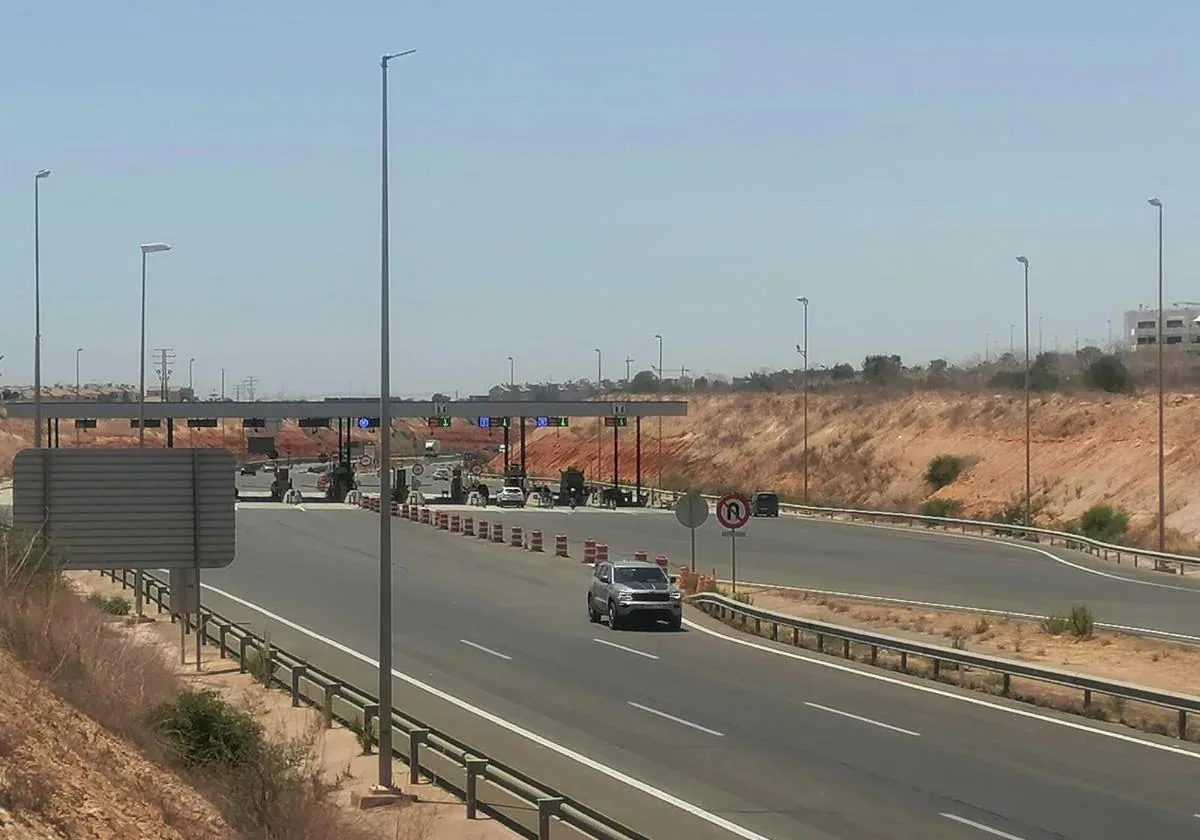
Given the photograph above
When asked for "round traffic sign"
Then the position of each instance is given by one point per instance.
(733, 510)
(691, 510)
(364, 461)
(418, 469)
(476, 470)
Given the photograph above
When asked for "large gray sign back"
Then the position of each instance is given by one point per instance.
(129, 508)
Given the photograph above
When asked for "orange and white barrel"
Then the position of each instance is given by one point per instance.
(560, 545)
(516, 537)
(497, 532)
(589, 551)
(468, 526)
(601, 552)
(639, 556)
(535, 541)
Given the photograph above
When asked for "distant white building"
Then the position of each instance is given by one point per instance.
(1181, 325)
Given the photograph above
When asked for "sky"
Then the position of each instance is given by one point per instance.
(572, 176)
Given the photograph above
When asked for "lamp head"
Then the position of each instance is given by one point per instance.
(155, 247)
(803, 300)
(41, 173)
(1154, 202)
(1023, 261)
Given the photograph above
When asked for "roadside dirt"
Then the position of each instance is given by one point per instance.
(435, 815)
(1171, 666)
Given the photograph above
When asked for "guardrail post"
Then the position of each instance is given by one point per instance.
(820, 643)
(774, 631)
(222, 634)
(845, 648)
(297, 673)
(1087, 697)
(874, 654)
(548, 806)
(1182, 724)
(416, 737)
(331, 691)
(1006, 686)
(904, 661)
(243, 643)
(795, 637)
(476, 767)
(370, 711)
(937, 668)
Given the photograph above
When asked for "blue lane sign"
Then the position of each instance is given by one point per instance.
(543, 421)
(367, 422)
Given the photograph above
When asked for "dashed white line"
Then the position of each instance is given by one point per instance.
(507, 725)
(478, 646)
(626, 649)
(862, 719)
(678, 720)
(995, 832)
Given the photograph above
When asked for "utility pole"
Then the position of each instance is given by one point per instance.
(249, 382)
(222, 384)
(163, 367)
(237, 392)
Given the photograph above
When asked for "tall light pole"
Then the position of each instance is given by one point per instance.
(1024, 261)
(78, 350)
(659, 339)
(599, 422)
(148, 248)
(385, 451)
(38, 177)
(222, 383)
(1162, 493)
(511, 375)
(191, 362)
(804, 353)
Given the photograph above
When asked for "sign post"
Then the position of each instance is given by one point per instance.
(692, 511)
(733, 511)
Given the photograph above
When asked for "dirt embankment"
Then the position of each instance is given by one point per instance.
(872, 449)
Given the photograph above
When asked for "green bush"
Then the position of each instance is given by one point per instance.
(942, 470)
(1104, 523)
(1079, 622)
(1108, 373)
(261, 664)
(940, 507)
(113, 604)
(367, 736)
(205, 731)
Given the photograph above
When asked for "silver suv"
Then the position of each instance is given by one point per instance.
(625, 589)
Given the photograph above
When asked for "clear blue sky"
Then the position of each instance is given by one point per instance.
(575, 175)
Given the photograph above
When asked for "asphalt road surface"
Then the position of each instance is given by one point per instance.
(778, 745)
(915, 564)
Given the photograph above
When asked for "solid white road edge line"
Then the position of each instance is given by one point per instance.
(962, 698)
(995, 832)
(1021, 546)
(626, 649)
(863, 719)
(566, 752)
(678, 720)
(478, 646)
(1150, 631)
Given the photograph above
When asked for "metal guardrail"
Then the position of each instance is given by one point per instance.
(1162, 560)
(725, 608)
(522, 803)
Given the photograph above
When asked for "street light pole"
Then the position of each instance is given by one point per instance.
(804, 353)
(385, 451)
(659, 338)
(511, 376)
(1024, 261)
(37, 307)
(191, 387)
(599, 422)
(148, 248)
(1162, 494)
(78, 390)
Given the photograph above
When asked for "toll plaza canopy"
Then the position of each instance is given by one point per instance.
(343, 407)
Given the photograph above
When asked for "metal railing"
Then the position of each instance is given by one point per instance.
(1162, 561)
(522, 803)
(727, 609)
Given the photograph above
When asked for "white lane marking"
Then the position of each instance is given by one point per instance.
(478, 646)
(566, 752)
(995, 832)
(862, 719)
(678, 720)
(962, 698)
(1021, 546)
(626, 649)
(985, 610)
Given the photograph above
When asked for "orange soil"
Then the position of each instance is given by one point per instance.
(871, 450)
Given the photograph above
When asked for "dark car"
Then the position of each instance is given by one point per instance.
(764, 503)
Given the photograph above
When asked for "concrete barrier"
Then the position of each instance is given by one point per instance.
(560, 545)
(535, 541)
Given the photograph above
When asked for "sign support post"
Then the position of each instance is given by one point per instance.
(692, 511)
(733, 511)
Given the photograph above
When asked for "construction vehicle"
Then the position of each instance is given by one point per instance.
(433, 448)
(572, 488)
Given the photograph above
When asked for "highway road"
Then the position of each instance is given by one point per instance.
(758, 741)
(896, 562)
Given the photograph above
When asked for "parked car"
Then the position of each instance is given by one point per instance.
(764, 503)
(510, 497)
(633, 589)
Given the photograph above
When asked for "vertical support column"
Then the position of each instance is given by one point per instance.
(57, 443)
(637, 456)
(170, 433)
(616, 458)
(506, 446)
(522, 447)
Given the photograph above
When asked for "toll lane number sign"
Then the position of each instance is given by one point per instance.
(733, 510)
